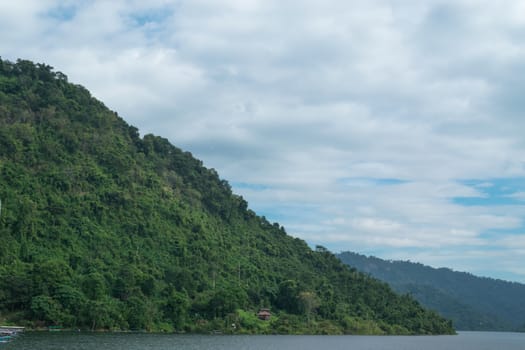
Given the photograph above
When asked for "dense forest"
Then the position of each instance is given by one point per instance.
(104, 229)
(473, 303)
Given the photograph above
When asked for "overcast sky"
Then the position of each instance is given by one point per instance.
(389, 128)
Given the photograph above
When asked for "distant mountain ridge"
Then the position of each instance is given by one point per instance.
(471, 302)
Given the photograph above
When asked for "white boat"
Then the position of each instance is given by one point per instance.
(10, 330)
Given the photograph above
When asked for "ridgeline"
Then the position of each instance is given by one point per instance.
(104, 229)
(472, 303)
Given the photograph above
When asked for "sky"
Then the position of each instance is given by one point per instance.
(388, 128)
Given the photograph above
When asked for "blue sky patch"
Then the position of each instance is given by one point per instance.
(369, 181)
(156, 15)
(496, 233)
(500, 191)
(62, 13)
(283, 213)
(248, 186)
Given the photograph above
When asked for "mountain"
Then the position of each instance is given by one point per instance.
(472, 303)
(104, 229)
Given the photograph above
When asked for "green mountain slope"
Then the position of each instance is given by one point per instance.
(103, 229)
(473, 303)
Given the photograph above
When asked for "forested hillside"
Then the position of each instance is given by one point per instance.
(104, 229)
(473, 303)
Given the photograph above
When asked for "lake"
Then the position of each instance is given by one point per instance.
(143, 341)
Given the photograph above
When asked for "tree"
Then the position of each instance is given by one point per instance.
(94, 286)
(177, 308)
(287, 297)
(46, 309)
(309, 303)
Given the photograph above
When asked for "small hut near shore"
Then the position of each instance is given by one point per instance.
(264, 314)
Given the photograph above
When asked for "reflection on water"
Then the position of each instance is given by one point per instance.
(136, 341)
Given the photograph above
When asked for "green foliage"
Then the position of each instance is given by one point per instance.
(103, 229)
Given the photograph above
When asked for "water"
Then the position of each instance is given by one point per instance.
(132, 341)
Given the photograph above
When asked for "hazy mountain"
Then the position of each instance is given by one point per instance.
(473, 303)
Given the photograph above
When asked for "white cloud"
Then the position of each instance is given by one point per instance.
(518, 195)
(316, 102)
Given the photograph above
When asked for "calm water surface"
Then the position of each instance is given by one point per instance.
(131, 341)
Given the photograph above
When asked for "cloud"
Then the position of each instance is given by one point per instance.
(387, 128)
